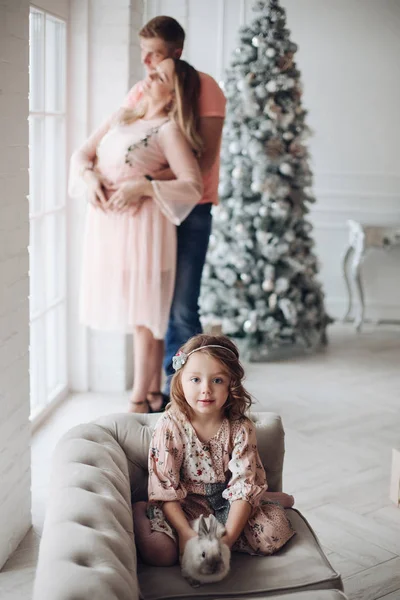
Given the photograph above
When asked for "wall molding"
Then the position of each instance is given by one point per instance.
(328, 225)
(375, 311)
(367, 210)
(361, 194)
(364, 174)
(357, 184)
(341, 223)
(380, 206)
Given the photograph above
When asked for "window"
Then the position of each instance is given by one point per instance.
(47, 197)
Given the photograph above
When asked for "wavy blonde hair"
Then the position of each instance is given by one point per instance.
(185, 106)
(239, 400)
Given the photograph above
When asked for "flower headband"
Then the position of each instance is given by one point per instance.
(180, 357)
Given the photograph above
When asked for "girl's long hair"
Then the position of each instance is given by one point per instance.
(239, 399)
(185, 106)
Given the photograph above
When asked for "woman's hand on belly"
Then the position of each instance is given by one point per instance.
(95, 186)
(130, 194)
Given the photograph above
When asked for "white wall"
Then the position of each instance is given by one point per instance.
(103, 52)
(348, 56)
(15, 501)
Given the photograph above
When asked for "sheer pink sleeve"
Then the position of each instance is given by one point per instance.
(84, 157)
(165, 460)
(177, 198)
(248, 481)
(133, 96)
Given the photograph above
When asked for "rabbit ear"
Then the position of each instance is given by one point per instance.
(217, 530)
(203, 529)
(213, 526)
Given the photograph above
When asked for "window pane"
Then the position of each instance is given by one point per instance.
(37, 365)
(36, 267)
(51, 352)
(55, 64)
(36, 162)
(36, 60)
(55, 161)
(62, 343)
(54, 251)
(55, 349)
(47, 169)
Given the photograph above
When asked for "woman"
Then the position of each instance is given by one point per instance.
(129, 254)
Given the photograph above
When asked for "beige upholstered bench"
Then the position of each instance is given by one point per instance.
(310, 595)
(87, 551)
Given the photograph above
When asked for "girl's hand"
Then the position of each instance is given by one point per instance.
(226, 539)
(130, 194)
(184, 537)
(94, 184)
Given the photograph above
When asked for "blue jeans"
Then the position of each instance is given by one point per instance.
(184, 321)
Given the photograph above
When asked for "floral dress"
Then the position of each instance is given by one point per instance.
(207, 477)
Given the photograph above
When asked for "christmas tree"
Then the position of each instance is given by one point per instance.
(260, 281)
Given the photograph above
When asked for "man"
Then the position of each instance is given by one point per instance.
(163, 37)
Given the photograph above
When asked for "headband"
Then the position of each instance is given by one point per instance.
(180, 357)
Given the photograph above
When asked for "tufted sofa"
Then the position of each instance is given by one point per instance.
(88, 551)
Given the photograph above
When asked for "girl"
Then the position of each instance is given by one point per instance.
(203, 459)
(129, 255)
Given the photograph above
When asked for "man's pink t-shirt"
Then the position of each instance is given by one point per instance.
(212, 103)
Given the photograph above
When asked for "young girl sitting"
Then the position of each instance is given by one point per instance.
(203, 459)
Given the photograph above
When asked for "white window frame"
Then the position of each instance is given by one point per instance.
(48, 213)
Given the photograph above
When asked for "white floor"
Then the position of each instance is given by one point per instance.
(341, 413)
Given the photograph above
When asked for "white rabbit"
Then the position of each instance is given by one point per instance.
(206, 558)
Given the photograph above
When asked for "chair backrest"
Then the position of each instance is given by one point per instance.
(133, 433)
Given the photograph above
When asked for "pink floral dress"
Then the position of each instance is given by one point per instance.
(207, 477)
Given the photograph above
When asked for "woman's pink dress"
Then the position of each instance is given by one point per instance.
(207, 477)
(129, 258)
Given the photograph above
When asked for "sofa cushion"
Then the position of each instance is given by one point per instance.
(300, 565)
(310, 595)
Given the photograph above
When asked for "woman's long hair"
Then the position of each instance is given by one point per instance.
(185, 106)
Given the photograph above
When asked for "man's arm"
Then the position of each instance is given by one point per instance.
(210, 130)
